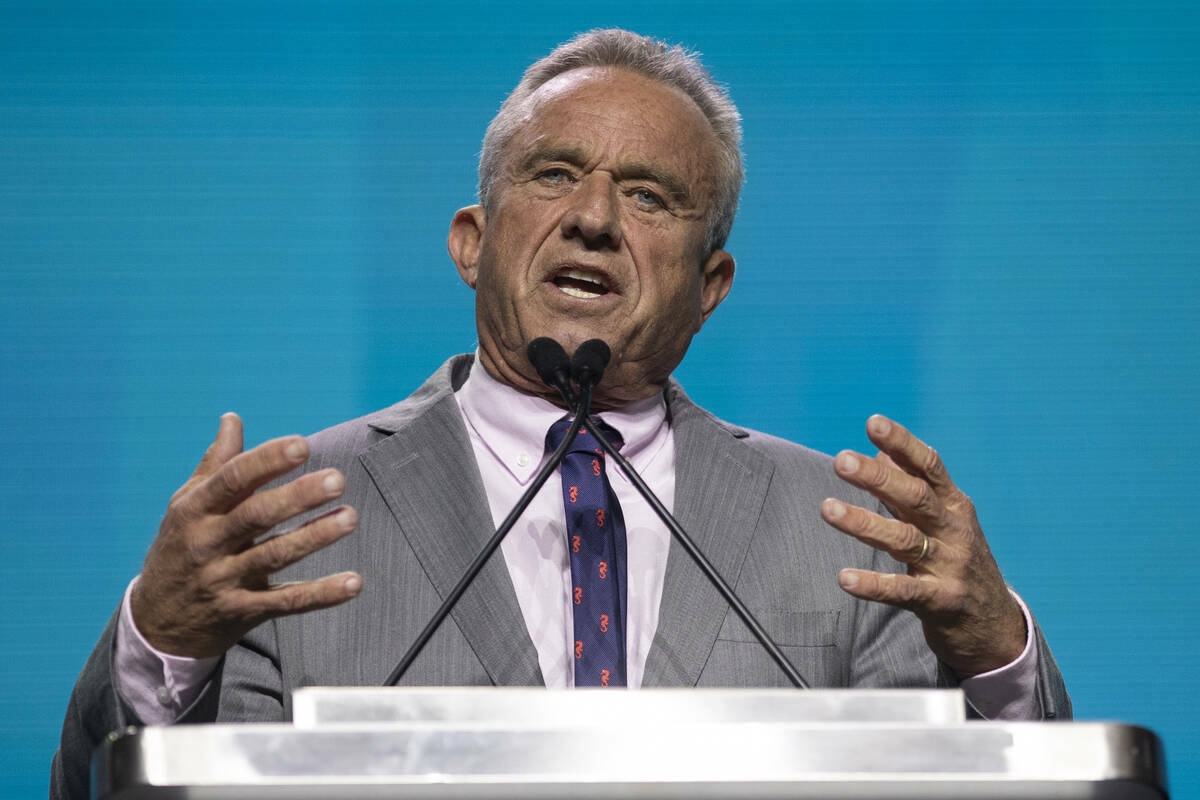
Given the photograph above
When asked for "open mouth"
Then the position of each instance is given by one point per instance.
(581, 283)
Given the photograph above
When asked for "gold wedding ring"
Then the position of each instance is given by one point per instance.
(924, 551)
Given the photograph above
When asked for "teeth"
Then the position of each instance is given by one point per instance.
(568, 282)
(579, 275)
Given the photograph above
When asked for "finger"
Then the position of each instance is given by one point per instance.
(883, 458)
(240, 476)
(285, 549)
(903, 591)
(907, 497)
(296, 598)
(226, 445)
(262, 511)
(908, 452)
(901, 540)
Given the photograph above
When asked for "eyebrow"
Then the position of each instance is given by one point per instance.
(673, 184)
(543, 152)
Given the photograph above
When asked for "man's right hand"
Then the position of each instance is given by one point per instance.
(205, 580)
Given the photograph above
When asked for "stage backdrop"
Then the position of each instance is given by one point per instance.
(980, 219)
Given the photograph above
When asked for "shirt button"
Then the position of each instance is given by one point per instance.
(163, 695)
(523, 460)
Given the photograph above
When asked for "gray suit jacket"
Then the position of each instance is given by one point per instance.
(749, 500)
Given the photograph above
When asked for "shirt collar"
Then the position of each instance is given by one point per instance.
(513, 425)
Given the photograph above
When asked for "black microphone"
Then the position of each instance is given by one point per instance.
(589, 361)
(550, 355)
(553, 367)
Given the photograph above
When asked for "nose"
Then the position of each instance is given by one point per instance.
(593, 216)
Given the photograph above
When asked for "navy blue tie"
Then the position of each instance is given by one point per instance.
(596, 545)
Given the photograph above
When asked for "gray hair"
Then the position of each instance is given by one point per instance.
(668, 64)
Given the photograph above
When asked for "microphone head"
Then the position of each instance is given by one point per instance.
(548, 358)
(589, 361)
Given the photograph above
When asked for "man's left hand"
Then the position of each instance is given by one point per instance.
(971, 621)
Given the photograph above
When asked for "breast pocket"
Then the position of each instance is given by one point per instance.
(809, 639)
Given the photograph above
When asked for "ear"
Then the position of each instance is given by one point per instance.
(466, 233)
(716, 279)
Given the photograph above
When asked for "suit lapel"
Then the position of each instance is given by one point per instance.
(427, 475)
(720, 486)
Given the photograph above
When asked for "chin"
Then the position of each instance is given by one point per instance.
(572, 337)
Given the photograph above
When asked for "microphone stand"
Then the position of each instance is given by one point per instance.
(586, 373)
(581, 412)
(697, 556)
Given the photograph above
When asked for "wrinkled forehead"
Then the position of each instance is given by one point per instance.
(620, 113)
(582, 79)
(615, 90)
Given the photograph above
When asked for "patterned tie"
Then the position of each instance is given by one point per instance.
(596, 543)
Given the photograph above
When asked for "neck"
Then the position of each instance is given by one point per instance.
(606, 396)
(524, 382)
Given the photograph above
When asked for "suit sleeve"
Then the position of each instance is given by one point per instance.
(95, 709)
(245, 687)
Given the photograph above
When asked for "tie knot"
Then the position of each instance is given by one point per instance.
(584, 441)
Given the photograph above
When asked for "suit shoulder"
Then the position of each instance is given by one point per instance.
(777, 449)
(346, 440)
(784, 450)
(700, 429)
(797, 462)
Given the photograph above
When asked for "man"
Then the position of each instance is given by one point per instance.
(608, 184)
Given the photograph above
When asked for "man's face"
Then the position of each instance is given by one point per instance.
(597, 229)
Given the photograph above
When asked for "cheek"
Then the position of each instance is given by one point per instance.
(513, 245)
(500, 258)
(494, 283)
(673, 315)
(676, 273)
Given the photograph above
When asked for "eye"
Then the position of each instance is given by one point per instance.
(555, 176)
(647, 198)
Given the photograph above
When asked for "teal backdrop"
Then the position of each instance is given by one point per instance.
(981, 219)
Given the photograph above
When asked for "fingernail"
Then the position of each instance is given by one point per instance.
(847, 580)
(296, 450)
(353, 584)
(333, 483)
(835, 508)
(345, 519)
(880, 426)
(847, 463)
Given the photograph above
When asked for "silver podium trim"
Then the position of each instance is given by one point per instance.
(475, 706)
(721, 753)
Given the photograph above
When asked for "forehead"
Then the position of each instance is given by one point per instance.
(617, 113)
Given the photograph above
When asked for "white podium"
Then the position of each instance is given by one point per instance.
(673, 743)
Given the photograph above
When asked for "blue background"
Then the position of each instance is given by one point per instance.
(980, 219)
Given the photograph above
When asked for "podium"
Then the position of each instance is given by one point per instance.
(664, 744)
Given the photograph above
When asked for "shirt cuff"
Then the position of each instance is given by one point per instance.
(1009, 692)
(158, 686)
